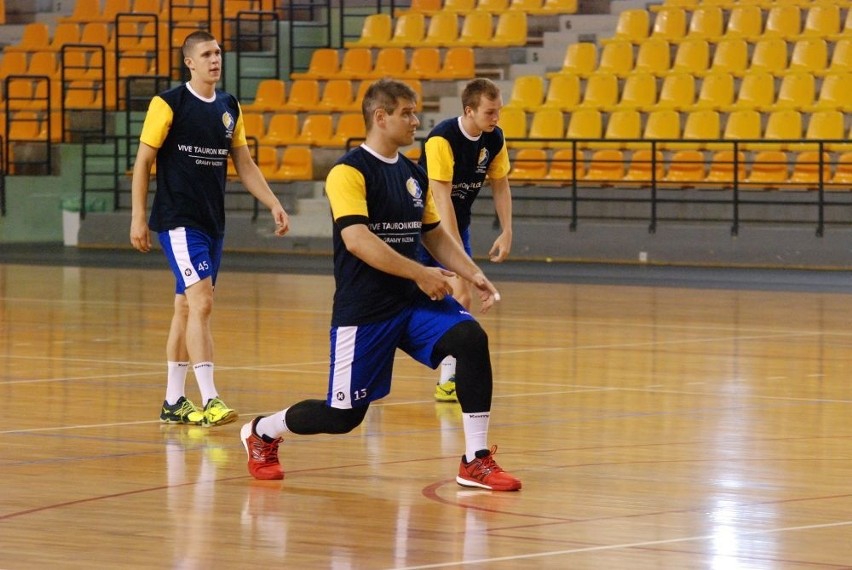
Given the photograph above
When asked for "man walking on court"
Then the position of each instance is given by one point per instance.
(384, 299)
(459, 154)
(189, 131)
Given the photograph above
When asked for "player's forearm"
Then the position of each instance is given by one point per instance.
(370, 249)
(503, 204)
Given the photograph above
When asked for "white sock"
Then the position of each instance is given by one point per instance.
(475, 433)
(448, 369)
(272, 426)
(176, 381)
(204, 376)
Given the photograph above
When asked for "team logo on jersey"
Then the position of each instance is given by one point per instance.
(228, 121)
(414, 190)
(482, 160)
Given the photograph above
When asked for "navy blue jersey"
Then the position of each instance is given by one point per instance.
(391, 197)
(452, 155)
(193, 136)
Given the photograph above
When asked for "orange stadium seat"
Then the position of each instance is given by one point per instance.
(606, 167)
(350, 128)
(477, 29)
(529, 164)
(768, 169)
(409, 30)
(324, 64)
(271, 95)
(304, 96)
(283, 130)
(564, 167)
(806, 169)
(296, 164)
(527, 93)
(459, 63)
(686, 168)
(336, 95)
(725, 167)
(843, 172)
(513, 121)
(376, 30)
(511, 30)
(390, 62)
(317, 130)
(645, 167)
(357, 63)
(443, 29)
(425, 63)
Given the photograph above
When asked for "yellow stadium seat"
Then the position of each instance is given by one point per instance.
(459, 6)
(425, 7)
(846, 32)
(834, 94)
(336, 96)
(296, 164)
(317, 130)
(616, 58)
(42, 63)
(807, 168)
(809, 55)
(390, 62)
(563, 93)
(324, 64)
(580, 59)
(283, 130)
(304, 95)
(585, 125)
(621, 125)
(15, 63)
(677, 93)
(546, 129)
(639, 92)
(493, 6)
(842, 179)
(769, 55)
(35, 37)
(267, 160)
(700, 129)
(662, 124)
(601, 92)
(254, 125)
(19, 94)
(606, 167)
(669, 24)
(513, 122)
(686, 169)
(443, 29)
(645, 167)
(96, 33)
(822, 21)
(529, 164)
(757, 91)
(653, 56)
(825, 125)
(64, 33)
(425, 63)
(459, 63)
(796, 92)
(716, 93)
(633, 26)
(271, 95)
(527, 93)
(359, 96)
(357, 63)
(731, 56)
(511, 30)
(745, 22)
(528, 6)
(706, 23)
(564, 167)
(841, 58)
(742, 124)
(726, 168)
(350, 130)
(84, 11)
(768, 169)
(783, 126)
(409, 30)
(477, 29)
(376, 30)
(784, 21)
(692, 56)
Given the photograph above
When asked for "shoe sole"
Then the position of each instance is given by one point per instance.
(476, 484)
(230, 417)
(180, 422)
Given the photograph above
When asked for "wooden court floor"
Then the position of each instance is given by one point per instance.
(653, 427)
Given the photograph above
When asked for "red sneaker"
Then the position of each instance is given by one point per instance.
(483, 472)
(262, 454)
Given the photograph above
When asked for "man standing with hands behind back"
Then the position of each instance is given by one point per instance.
(189, 131)
(460, 153)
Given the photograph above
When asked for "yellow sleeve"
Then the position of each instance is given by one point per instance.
(157, 123)
(346, 191)
(430, 210)
(239, 138)
(499, 167)
(439, 159)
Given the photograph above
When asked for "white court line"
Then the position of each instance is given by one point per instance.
(622, 546)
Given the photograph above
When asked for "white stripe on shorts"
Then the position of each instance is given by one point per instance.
(180, 250)
(344, 354)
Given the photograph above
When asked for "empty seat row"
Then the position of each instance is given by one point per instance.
(531, 7)
(685, 169)
(680, 92)
(699, 57)
(314, 130)
(288, 164)
(699, 130)
(822, 20)
(306, 95)
(358, 63)
(106, 10)
(731, 4)
(476, 30)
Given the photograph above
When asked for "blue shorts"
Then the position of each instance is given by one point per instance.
(192, 254)
(424, 257)
(362, 356)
